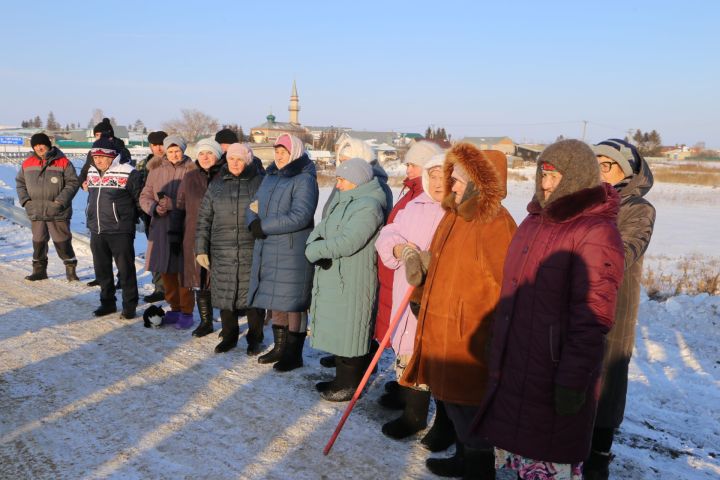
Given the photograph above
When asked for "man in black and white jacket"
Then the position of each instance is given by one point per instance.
(113, 194)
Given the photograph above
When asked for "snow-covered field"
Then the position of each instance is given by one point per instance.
(82, 397)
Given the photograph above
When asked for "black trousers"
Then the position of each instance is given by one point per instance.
(120, 247)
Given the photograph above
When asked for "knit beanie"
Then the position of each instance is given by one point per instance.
(421, 152)
(177, 140)
(356, 148)
(576, 163)
(355, 170)
(104, 127)
(241, 150)
(226, 136)
(104, 147)
(434, 162)
(619, 152)
(40, 139)
(209, 145)
(156, 138)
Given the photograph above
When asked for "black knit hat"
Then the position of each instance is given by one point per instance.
(226, 136)
(104, 147)
(40, 139)
(156, 138)
(104, 127)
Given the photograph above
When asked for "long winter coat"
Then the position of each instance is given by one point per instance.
(223, 236)
(463, 282)
(47, 187)
(281, 276)
(386, 275)
(113, 198)
(635, 222)
(164, 178)
(344, 295)
(416, 223)
(562, 274)
(184, 218)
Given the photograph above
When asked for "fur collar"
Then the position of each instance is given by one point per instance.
(483, 204)
(572, 205)
(296, 167)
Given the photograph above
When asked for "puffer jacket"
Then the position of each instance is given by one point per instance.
(47, 187)
(281, 276)
(113, 198)
(561, 278)
(636, 221)
(164, 178)
(222, 235)
(343, 298)
(386, 275)
(416, 223)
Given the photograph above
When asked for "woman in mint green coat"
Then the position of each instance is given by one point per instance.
(345, 282)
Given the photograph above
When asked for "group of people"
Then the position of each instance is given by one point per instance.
(521, 334)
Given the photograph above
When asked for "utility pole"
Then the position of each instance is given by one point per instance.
(585, 122)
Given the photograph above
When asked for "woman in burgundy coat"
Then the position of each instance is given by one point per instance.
(560, 283)
(184, 223)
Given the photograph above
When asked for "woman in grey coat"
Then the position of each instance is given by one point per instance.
(281, 219)
(224, 246)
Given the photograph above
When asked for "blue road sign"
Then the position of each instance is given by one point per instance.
(11, 140)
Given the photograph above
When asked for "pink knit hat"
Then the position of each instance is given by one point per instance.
(240, 150)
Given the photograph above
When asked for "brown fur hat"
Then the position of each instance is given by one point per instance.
(576, 163)
(488, 173)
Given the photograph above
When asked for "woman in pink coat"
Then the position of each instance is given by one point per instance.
(412, 229)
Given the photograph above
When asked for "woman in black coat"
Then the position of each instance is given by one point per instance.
(225, 246)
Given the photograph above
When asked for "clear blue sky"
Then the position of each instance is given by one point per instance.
(529, 69)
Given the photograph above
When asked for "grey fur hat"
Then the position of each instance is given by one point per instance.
(577, 164)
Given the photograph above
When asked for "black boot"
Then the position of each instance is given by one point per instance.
(597, 465)
(348, 374)
(413, 418)
(39, 271)
(280, 338)
(70, 272)
(255, 334)
(291, 357)
(155, 296)
(106, 308)
(230, 331)
(479, 464)
(202, 298)
(442, 433)
(451, 466)
(394, 396)
(327, 361)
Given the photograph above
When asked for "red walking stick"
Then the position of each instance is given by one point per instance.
(386, 339)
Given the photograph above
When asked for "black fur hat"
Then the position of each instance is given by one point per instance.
(153, 316)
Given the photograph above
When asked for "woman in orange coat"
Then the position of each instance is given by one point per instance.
(460, 294)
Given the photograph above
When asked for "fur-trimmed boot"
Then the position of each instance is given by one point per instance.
(39, 271)
(71, 271)
(413, 418)
(291, 357)
(280, 334)
(202, 298)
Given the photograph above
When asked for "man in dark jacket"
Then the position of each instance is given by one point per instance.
(114, 191)
(155, 139)
(104, 127)
(46, 185)
(624, 168)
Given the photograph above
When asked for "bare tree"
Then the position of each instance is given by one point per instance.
(96, 118)
(192, 126)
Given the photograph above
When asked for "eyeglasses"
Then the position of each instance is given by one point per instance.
(605, 167)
